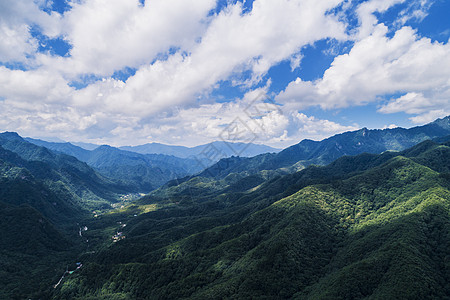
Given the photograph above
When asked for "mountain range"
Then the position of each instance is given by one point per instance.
(141, 172)
(309, 152)
(143, 168)
(360, 215)
(372, 226)
(223, 149)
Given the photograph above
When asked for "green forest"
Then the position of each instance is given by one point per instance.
(365, 226)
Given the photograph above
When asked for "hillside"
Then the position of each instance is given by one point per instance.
(41, 202)
(309, 152)
(62, 172)
(367, 226)
(140, 172)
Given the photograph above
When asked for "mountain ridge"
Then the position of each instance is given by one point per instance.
(336, 231)
(308, 152)
(222, 148)
(346, 230)
(143, 172)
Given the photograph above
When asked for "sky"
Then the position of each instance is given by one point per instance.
(188, 72)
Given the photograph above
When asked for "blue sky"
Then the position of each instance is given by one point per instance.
(128, 72)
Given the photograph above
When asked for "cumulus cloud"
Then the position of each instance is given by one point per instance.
(180, 51)
(425, 109)
(109, 35)
(412, 103)
(367, 19)
(253, 118)
(16, 18)
(33, 87)
(366, 13)
(233, 42)
(314, 128)
(377, 66)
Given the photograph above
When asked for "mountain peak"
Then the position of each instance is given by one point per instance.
(11, 136)
(105, 147)
(363, 131)
(444, 122)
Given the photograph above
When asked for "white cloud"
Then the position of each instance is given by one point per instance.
(425, 109)
(16, 18)
(368, 21)
(295, 61)
(412, 103)
(16, 42)
(33, 87)
(377, 66)
(251, 118)
(430, 116)
(416, 10)
(234, 121)
(413, 9)
(313, 128)
(109, 35)
(390, 126)
(232, 42)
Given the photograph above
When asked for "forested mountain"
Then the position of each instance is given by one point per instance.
(368, 226)
(61, 172)
(309, 152)
(145, 168)
(43, 197)
(141, 172)
(372, 226)
(352, 143)
(145, 172)
(66, 148)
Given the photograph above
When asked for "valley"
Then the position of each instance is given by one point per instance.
(224, 150)
(360, 215)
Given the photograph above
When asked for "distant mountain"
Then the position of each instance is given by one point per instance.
(86, 146)
(309, 152)
(43, 198)
(66, 148)
(355, 142)
(73, 179)
(365, 226)
(219, 149)
(142, 172)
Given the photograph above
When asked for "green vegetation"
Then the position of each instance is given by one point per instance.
(43, 199)
(323, 152)
(371, 226)
(137, 172)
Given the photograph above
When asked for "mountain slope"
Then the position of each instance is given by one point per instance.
(31, 248)
(39, 210)
(369, 226)
(142, 173)
(363, 140)
(323, 152)
(65, 174)
(66, 148)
